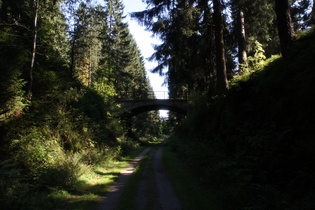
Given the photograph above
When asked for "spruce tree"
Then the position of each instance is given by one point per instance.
(285, 28)
(86, 44)
(222, 83)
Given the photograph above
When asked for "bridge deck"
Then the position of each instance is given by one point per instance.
(135, 107)
(162, 95)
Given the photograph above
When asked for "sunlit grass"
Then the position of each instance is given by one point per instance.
(89, 189)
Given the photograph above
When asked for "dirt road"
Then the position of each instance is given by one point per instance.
(165, 193)
(153, 189)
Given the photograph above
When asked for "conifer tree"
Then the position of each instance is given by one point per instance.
(259, 25)
(186, 29)
(301, 14)
(27, 43)
(86, 44)
(222, 83)
(240, 33)
(285, 28)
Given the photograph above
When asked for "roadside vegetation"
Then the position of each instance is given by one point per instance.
(187, 183)
(253, 148)
(62, 137)
(87, 190)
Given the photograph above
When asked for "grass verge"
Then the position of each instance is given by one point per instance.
(89, 189)
(185, 182)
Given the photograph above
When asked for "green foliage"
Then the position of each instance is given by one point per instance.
(12, 84)
(250, 72)
(255, 62)
(63, 174)
(13, 101)
(99, 156)
(127, 145)
(10, 183)
(260, 24)
(253, 148)
(34, 152)
(187, 49)
(71, 123)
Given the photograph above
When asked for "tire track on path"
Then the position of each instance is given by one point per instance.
(113, 196)
(165, 192)
(146, 192)
(162, 192)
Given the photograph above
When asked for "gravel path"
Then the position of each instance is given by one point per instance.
(161, 190)
(144, 189)
(165, 192)
(115, 191)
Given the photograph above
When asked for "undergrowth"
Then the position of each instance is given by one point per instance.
(186, 184)
(48, 144)
(254, 147)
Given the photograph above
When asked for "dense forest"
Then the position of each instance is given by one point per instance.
(247, 67)
(64, 65)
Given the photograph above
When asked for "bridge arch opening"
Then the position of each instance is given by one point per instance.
(147, 108)
(135, 107)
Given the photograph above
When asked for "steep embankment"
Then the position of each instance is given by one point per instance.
(255, 147)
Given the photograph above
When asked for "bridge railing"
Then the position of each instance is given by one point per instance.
(159, 94)
(163, 95)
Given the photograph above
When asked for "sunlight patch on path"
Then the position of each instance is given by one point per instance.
(115, 191)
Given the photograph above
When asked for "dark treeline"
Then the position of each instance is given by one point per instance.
(206, 43)
(63, 65)
(202, 39)
(254, 147)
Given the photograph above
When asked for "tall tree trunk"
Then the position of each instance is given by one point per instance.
(285, 28)
(90, 68)
(72, 56)
(36, 4)
(242, 54)
(222, 83)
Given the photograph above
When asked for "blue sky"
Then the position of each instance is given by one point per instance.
(145, 41)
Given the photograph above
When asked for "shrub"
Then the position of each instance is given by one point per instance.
(97, 156)
(34, 151)
(127, 145)
(63, 174)
(12, 187)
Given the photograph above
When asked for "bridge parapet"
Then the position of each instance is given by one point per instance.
(134, 107)
(155, 100)
(161, 95)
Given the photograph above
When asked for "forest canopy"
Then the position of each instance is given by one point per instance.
(64, 64)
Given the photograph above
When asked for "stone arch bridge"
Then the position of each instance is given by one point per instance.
(137, 106)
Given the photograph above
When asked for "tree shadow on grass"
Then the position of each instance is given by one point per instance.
(107, 174)
(85, 196)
